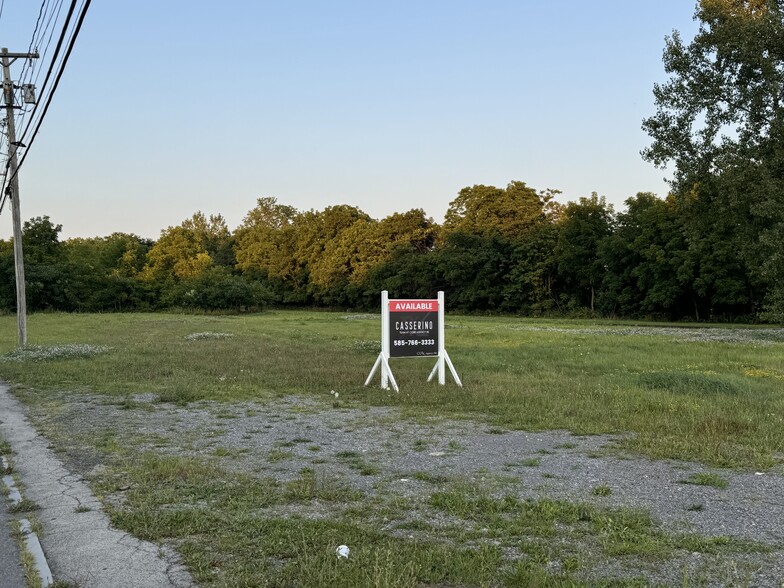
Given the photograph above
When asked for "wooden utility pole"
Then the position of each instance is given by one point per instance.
(12, 190)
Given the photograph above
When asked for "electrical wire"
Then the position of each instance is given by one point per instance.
(48, 100)
(51, 65)
(34, 70)
(27, 65)
(71, 44)
(37, 24)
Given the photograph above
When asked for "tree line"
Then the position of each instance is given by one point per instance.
(510, 250)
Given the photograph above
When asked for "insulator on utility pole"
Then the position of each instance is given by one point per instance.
(28, 93)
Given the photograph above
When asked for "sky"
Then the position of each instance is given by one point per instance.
(169, 108)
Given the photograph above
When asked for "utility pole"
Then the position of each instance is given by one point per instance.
(13, 190)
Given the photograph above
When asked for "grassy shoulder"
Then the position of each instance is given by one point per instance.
(712, 400)
(238, 530)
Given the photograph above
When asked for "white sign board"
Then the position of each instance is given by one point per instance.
(412, 328)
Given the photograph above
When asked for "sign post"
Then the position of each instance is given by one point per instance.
(412, 328)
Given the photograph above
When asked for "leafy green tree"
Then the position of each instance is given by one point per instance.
(649, 269)
(582, 227)
(315, 233)
(105, 272)
(187, 250)
(47, 274)
(214, 237)
(264, 246)
(409, 272)
(475, 271)
(264, 240)
(720, 120)
(351, 255)
(7, 277)
(533, 271)
(218, 289)
(495, 251)
(487, 210)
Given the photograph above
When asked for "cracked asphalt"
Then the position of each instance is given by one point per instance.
(79, 543)
(10, 567)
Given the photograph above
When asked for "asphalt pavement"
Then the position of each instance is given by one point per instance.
(11, 573)
(78, 542)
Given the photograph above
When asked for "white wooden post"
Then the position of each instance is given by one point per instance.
(441, 346)
(443, 360)
(385, 339)
(382, 361)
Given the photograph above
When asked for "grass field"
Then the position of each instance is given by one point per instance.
(707, 394)
(718, 402)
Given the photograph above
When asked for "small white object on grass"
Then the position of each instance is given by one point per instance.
(343, 551)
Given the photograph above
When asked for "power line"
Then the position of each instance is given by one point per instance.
(33, 69)
(52, 64)
(58, 75)
(56, 81)
(37, 24)
(33, 72)
(32, 39)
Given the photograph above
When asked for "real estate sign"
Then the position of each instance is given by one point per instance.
(413, 328)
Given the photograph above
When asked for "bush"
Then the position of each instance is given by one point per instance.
(218, 289)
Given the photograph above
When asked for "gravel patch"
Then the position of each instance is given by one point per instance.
(684, 334)
(405, 456)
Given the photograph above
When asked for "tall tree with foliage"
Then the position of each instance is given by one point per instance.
(648, 269)
(583, 226)
(105, 271)
(49, 279)
(720, 121)
(261, 243)
(507, 212)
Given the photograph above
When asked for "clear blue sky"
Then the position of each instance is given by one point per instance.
(169, 107)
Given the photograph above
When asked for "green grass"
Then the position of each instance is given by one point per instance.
(312, 485)
(227, 537)
(354, 460)
(23, 506)
(718, 403)
(237, 530)
(710, 401)
(706, 479)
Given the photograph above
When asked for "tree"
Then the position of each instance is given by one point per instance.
(260, 242)
(582, 228)
(218, 289)
(47, 274)
(187, 250)
(315, 233)
(105, 272)
(351, 255)
(648, 267)
(720, 120)
(508, 212)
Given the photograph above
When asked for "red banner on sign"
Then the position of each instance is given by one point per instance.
(413, 306)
